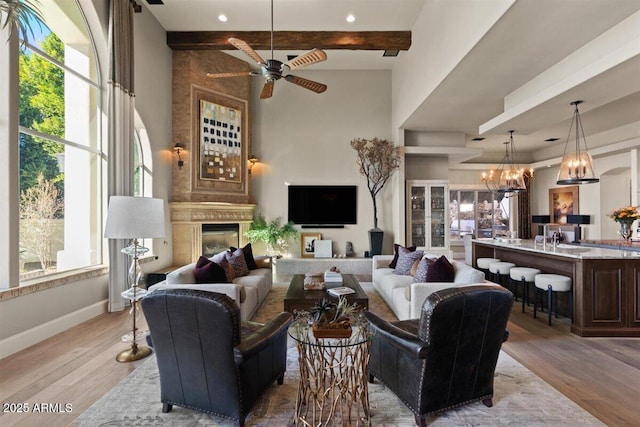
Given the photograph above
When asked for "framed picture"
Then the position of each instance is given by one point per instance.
(219, 129)
(306, 244)
(562, 202)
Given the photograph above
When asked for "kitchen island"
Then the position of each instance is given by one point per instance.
(606, 282)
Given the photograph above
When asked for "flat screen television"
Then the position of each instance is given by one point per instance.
(329, 205)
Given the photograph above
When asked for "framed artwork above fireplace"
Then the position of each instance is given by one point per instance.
(220, 143)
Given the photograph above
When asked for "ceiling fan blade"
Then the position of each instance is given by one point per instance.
(237, 74)
(307, 58)
(243, 46)
(267, 90)
(307, 84)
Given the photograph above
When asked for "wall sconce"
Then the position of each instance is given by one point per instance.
(178, 149)
(252, 161)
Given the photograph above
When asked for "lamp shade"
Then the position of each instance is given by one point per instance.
(134, 217)
(541, 219)
(578, 219)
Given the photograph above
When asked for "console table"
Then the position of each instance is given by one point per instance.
(357, 266)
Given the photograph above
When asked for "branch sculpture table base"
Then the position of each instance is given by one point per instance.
(333, 388)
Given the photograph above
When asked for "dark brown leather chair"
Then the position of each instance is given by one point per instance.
(204, 362)
(447, 357)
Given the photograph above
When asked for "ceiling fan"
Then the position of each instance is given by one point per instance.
(273, 70)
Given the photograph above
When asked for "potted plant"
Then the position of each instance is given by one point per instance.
(20, 14)
(273, 234)
(377, 159)
(332, 320)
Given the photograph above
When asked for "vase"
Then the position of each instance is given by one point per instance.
(375, 241)
(625, 230)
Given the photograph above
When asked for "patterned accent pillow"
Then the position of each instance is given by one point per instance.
(221, 260)
(207, 271)
(440, 270)
(236, 259)
(406, 258)
(420, 275)
(396, 248)
(248, 256)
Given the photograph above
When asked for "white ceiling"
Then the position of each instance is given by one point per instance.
(531, 37)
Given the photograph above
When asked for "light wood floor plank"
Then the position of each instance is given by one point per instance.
(602, 375)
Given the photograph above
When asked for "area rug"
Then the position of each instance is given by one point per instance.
(520, 397)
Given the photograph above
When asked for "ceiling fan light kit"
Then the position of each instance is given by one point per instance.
(272, 69)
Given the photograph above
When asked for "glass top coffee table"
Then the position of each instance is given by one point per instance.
(298, 299)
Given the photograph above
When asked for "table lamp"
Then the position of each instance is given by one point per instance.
(133, 218)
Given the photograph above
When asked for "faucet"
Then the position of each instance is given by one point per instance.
(544, 235)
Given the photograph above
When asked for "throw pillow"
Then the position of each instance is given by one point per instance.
(440, 270)
(406, 258)
(420, 275)
(396, 248)
(207, 271)
(248, 256)
(236, 259)
(221, 260)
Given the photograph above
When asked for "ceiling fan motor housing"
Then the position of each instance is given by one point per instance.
(272, 70)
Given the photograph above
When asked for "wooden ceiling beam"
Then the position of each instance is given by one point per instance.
(291, 40)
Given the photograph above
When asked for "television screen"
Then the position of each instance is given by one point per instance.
(323, 204)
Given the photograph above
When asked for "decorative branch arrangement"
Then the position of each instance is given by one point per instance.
(377, 160)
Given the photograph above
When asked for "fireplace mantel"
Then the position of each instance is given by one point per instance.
(187, 219)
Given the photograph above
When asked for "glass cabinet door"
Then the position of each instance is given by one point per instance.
(417, 216)
(437, 219)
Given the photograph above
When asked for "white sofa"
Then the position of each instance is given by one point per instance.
(404, 297)
(248, 291)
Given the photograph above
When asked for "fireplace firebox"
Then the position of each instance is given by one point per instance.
(217, 238)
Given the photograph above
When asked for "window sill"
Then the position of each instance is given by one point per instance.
(53, 280)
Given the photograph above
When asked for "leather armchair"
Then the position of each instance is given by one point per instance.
(447, 357)
(204, 362)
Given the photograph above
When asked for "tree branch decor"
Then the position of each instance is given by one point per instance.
(377, 160)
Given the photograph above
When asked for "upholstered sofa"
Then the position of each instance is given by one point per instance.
(248, 291)
(404, 296)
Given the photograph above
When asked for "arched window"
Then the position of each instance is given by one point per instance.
(61, 156)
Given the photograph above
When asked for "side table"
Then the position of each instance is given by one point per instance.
(333, 388)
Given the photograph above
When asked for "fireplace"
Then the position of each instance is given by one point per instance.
(218, 238)
(189, 219)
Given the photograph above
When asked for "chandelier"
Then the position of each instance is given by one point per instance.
(507, 179)
(577, 166)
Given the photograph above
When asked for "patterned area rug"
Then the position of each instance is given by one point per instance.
(521, 398)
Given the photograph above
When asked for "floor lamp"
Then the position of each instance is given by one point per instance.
(134, 218)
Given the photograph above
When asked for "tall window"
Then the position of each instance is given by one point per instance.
(477, 212)
(60, 148)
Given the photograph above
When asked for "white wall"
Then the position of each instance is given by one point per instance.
(153, 82)
(304, 138)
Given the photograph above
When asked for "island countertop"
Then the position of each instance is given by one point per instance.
(565, 249)
(605, 282)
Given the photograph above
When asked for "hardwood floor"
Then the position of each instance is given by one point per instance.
(78, 366)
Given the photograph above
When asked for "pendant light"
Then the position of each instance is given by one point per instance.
(508, 178)
(576, 166)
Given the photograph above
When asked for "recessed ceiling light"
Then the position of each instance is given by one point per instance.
(351, 18)
(391, 53)
(222, 17)
(551, 139)
(478, 138)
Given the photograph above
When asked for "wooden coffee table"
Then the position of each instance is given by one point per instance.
(299, 299)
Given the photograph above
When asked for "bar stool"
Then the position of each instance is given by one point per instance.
(524, 275)
(553, 283)
(483, 265)
(500, 271)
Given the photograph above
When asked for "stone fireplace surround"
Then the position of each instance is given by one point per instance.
(187, 219)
